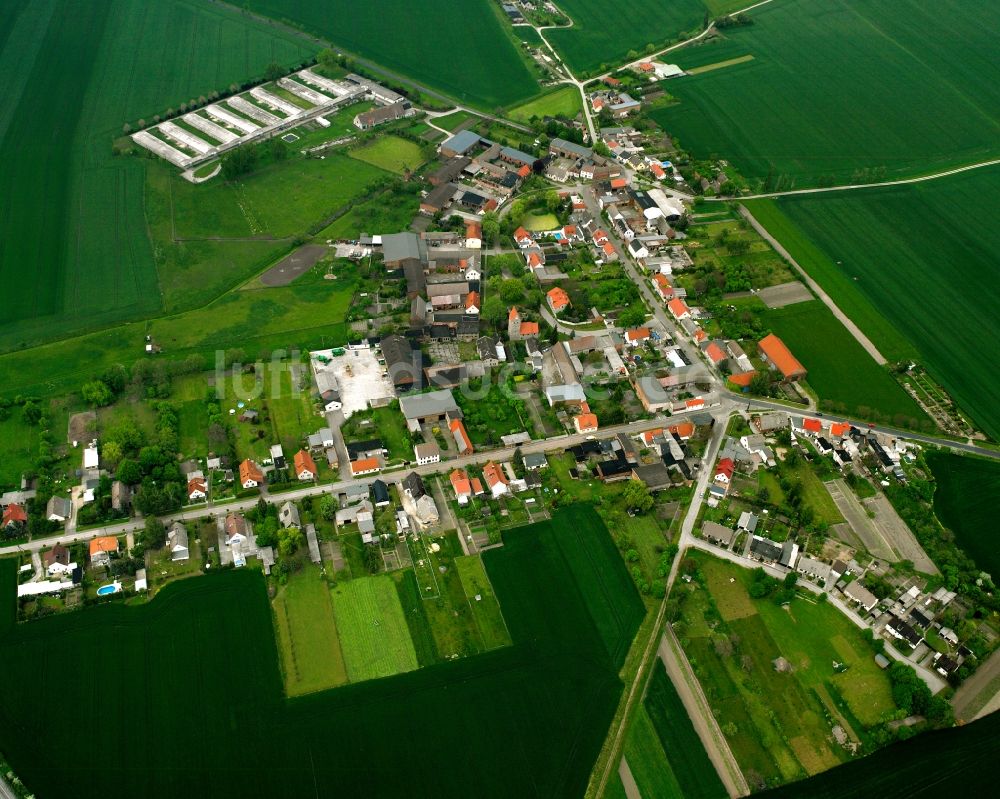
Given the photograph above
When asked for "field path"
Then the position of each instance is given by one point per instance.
(852, 328)
(631, 789)
(852, 186)
(701, 715)
(979, 695)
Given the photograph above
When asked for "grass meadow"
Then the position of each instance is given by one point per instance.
(935, 104)
(391, 153)
(372, 628)
(483, 601)
(917, 259)
(433, 43)
(562, 102)
(79, 216)
(311, 657)
(204, 649)
(964, 503)
(599, 40)
(841, 371)
(647, 760)
(778, 724)
(814, 493)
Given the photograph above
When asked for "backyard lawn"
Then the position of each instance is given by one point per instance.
(307, 634)
(391, 153)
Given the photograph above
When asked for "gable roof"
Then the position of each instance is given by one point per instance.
(557, 297)
(637, 334)
(726, 467)
(304, 462)
(461, 437)
(812, 425)
(364, 465)
(715, 353)
(779, 354)
(494, 474)
(678, 307)
(460, 482)
(250, 471)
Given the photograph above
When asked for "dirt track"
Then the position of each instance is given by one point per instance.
(679, 671)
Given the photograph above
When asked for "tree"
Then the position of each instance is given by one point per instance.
(31, 413)
(96, 394)
(637, 497)
(491, 228)
(128, 470)
(289, 540)
(493, 310)
(154, 533)
(274, 71)
(111, 454)
(327, 59)
(328, 507)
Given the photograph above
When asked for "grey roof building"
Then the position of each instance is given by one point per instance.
(288, 515)
(432, 405)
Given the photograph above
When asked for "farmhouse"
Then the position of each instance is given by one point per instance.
(557, 299)
(427, 453)
(380, 116)
(429, 408)
(717, 533)
(461, 485)
(496, 481)
(197, 489)
(364, 466)
(778, 356)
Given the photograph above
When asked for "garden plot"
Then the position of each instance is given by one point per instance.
(785, 294)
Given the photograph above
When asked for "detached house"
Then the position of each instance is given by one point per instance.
(523, 238)
(101, 549)
(14, 514)
(250, 474)
(197, 489)
(496, 481)
(557, 299)
(461, 485)
(305, 466)
(57, 561)
(177, 542)
(585, 423)
(462, 440)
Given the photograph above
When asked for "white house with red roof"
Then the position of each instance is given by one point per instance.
(523, 238)
(585, 423)
(557, 299)
(496, 480)
(724, 471)
(461, 485)
(637, 336)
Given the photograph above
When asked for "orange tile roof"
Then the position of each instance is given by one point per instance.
(700, 335)
(657, 170)
(777, 353)
(477, 487)
(534, 260)
(197, 484)
(608, 248)
(250, 471)
(529, 328)
(493, 474)
(840, 428)
(460, 482)
(619, 183)
(812, 425)
(364, 465)
(678, 307)
(649, 435)
(304, 462)
(557, 297)
(683, 430)
(513, 315)
(600, 234)
(585, 422)
(472, 300)
(598, 104)
(524, 171)
(13, 514)
(104, 543)
(742, 379)
(645, 66)
(637, 334)
(521, 233)
(612, 81)
(726, 467)
(473, 230)
(697, 402)
(491, 205)
(456, 426)
(569, 230)
(715, 353)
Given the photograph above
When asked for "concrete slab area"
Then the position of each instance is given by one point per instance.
(785, 294)
(362, 380)
(294, 265)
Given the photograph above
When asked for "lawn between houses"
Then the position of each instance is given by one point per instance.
(778, 724)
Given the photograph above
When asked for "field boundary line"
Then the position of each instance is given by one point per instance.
(827, 300)
(854, 186)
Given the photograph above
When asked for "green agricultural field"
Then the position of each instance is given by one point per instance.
(563, 102)
(79, 216)
(647, 761)
(964, 503)
(434, 45)
(307, 634)
(778, 723)
(483, 601)
(841, 371)
(688, 760)
(897, 257)
(936, 103)
(373, 632)
(391, 153)
(599, 40)
(546, 701)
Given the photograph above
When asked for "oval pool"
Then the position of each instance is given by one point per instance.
(110, 588)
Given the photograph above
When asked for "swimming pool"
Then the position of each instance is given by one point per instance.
(110, 588)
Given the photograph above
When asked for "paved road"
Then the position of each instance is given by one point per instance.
(852, 328)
